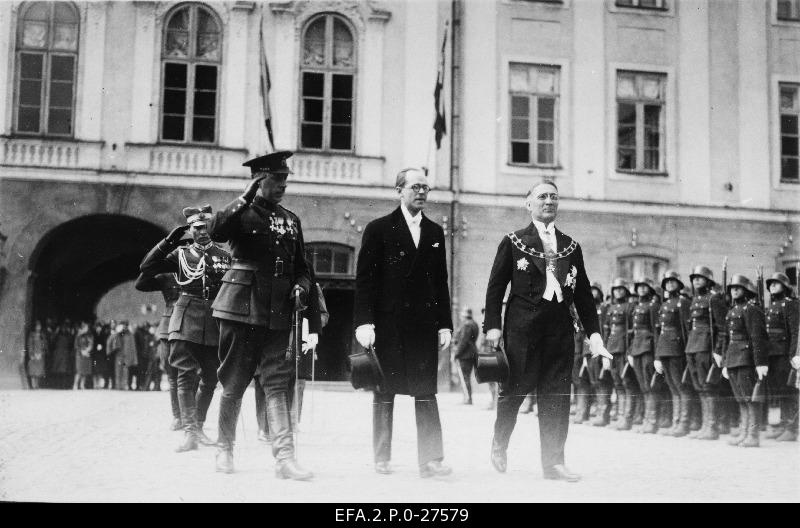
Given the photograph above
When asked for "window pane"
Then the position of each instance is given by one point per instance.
(61, 68)
(342, 87)
(651, 159)
(626, 136)
(172, 128)
(519, 129)
(312, 110)
(59, 121)
(341, 262)
(784, 9)
(341, 112)
(28, 119)
(649, 3)
(544, 152)
(311, 136)
(343, 49)
(206, 23)
(626, 114)
(64, 13)
(205, 77)
(38, 11)
(313, 84)
(789, 169)
(177, 44)
(314, 44)
(205, 103)
(180, 20)
(545, 130)
(208, 46)
(546, 107)
(545, 81)
(520, 107)
(31, 65)
(324, 260)
(519, 152)
(30, 93)
(175, 75)
(203, 129)
(788, 124)
(788, 98)
(651, 88)
(340, 137)
(34, 34)
(652, 115)
(651, 138)
(65, 37)
(174, 101)
(519, 78)
(61, 94)
(789, 146)
(626, 158)
(626, 86)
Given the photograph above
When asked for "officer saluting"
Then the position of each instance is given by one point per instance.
(255, 305)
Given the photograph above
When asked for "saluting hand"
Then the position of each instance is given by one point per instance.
(365, 335)
(252, 189)
(493, 337)
(176, 234)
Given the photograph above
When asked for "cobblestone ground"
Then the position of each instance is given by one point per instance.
(116, 446)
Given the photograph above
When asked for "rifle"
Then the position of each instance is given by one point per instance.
(725, 281)
(711, 378)
(760, 285)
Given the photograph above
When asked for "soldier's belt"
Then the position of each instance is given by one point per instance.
(738, 337)
(665, 329)
(193, 295)
(779, 332)
(246, 265)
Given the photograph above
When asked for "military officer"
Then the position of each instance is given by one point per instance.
(581, 379)
(707, 316)
(641, 356)
(602, 380)
(618, 330)
(268, 279)
(546, 271)
(670, 361)
(165, 283)
(745, 356)
(782, 325)
(193, 334)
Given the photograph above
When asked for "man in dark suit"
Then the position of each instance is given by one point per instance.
(403, 308)
(546, 272)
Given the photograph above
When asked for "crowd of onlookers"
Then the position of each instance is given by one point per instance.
(84, 355)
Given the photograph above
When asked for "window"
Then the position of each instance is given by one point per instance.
(327, 81)
(640, 122)
(329, 259)
(790, 112)
(191, 61)
(643, 4)
(790, 269)
(789, 10)
(47, 55)
(633, 267)
(533, 92)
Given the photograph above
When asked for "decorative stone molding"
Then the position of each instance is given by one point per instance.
(358, 12)
(51, 153)
(184, 160)
(332, 168)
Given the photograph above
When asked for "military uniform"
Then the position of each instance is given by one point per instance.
(745, 345)
(192, 333)
(254, 309)
(642, 350)
(782, 330)
(618, 330)
(672, 330)
(581, 379)
(602, 382)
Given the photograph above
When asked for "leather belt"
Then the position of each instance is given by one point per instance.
(247, 265)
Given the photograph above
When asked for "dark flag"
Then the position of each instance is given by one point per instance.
(440, 123)
(265, 87)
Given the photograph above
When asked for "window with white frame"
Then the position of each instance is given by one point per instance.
(790, 114)
(634, 267)
(641, 122)
(46, 56)
(330, 259)
(191, 60)
(789, 10)
(327, 84)
(643, 4)
(534, 98)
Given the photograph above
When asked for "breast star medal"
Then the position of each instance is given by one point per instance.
(522, 264)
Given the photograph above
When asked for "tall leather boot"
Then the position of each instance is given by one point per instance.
(682, 421)
(638, 408)
(710, 423)
(789, 417)
(280, 426)
(695, 413)
(188, 417)
(581, 409)
(664, 413)
(744, 421)
(650, 425)
(177, 425)
(201, 436)
(603, 414)
(625, 406)
(675, 406)
(755, 413)
(703, 400)
(228, 415)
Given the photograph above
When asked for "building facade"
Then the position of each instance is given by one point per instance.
(669, 126)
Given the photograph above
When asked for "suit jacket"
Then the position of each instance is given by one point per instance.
(519, 261)
(403, 291)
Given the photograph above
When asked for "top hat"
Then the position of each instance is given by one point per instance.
(274, 163)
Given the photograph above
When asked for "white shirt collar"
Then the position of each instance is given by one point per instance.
(541, 227)
(407, 214)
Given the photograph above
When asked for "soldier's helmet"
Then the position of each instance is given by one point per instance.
(781, 278)
(597, 286)
(744, 282)
(703, 271)
(671, 274)
(619, 282)
(646, 281)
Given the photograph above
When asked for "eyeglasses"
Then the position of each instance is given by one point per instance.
(418, 187)
(545, 196)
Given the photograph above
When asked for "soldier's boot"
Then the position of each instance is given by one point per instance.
(228, 416)
(682, 418)
(675, 404)
(710, 423)
(754, 411)
(202, 438)
(638, 408)
(702, 413)
(664, 414)
(723, 417)
(744, 419)
(603, 414)
(775, 430)
(650, 424)
(280, 426)
(764, 417)
(224, 458)
(625, 422)
(789, 412)
(581, 409)
(188, 417)
(695, 413)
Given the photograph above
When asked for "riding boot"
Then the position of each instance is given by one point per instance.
(581, 409)
(675, 408)
(754, 411)
(665, 415)
(176, 410)
(695, 413)
(744, 420)
(650, 425)
(603, 414)
(280, 426)
(710, 423)
(682, 413)
(723, 417)
(201, 436)
(188, 417)
(638, 408)
(625, 407)
(226, 432)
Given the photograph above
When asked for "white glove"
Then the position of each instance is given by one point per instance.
(606, 363)
(585, 363)
(659, 366)
(597, 347)
(717, 359)
(762, 370)
(493, 336)
(445, 335)
(795, 362)
(365, 335)
(725, 372)
(311, 342)
(630, 361)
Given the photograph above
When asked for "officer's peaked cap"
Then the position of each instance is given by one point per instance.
(197, 215)
(274, 163)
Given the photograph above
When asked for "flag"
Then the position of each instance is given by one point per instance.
(440, 122)
(265, 86)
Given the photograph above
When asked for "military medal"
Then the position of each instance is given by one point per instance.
(522, 264)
